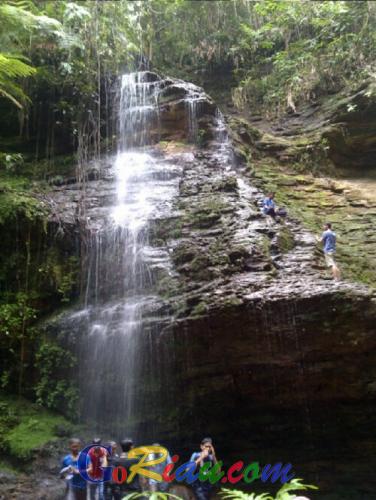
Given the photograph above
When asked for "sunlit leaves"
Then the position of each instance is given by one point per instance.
(308, 48)
(282, 494)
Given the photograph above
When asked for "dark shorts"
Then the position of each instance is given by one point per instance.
(77, 494)
(202, 490)
(270, 212)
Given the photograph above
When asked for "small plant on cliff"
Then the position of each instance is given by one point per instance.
(283, 493)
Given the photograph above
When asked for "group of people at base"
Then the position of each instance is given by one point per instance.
(328, 237)
(98, 457)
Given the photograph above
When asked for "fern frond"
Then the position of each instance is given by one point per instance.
(241, 495)
(234, 494)
(132, 496)
(20, 17)
(151, 495)
(293, 485)
(5, 94)
(11, 68)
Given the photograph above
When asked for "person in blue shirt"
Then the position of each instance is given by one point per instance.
(329, 241)
(158, 468)
(75, 482)
(203, 489)
(268, 205)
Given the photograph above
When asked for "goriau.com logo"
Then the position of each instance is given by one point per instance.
(151, 456)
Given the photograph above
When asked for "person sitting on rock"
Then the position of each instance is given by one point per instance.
(269, 208)
(268, 205)
(329, 240)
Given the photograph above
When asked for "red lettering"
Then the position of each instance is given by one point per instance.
(166, 472)
(119, 474)
(236, 467)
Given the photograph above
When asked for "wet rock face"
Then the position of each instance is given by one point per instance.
(182, 111)
(263, 353)
(339, 131)
(352, 134)
(257, 349)
(38, 478)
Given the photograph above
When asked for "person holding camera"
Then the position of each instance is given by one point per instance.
(202, 489)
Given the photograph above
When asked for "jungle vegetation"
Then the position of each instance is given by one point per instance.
(59, 63)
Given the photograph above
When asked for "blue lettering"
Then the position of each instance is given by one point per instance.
(277, 471)
(186, 471)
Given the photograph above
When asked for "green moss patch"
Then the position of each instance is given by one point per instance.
(25, 427)
(314, 201)
(17, 198)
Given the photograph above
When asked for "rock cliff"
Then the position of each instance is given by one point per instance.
(254, 345)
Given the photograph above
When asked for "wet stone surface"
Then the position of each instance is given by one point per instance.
(244, 338)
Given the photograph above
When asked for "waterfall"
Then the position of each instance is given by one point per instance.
(194, 104)
(122, 308)
(123, 362)
(138, 113)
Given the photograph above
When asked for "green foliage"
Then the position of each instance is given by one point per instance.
(16, 200)
(16, 326)
(293, 485)
(14, 315)
(275, 54)
(31, 433)
(25, 426)
(151, 495)
(54, 389)
(17, 22)
(282, 494)
(12, 68)
(299, 50)
(11, 163)
(13, 204)
(62, 275)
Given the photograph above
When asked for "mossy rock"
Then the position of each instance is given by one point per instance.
(285, 239)
(200, 309)
(184, 253)
(227, 184)
(26, 427)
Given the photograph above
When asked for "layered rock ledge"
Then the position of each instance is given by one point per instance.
(258, 348)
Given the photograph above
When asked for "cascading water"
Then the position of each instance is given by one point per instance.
(122, 309)
(124, 363)
(138, 114)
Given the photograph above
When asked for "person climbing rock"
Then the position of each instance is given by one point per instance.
(118, 491)
(98, 460)
(202, 489)
(329, 240)
(76, 485)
